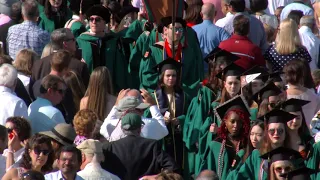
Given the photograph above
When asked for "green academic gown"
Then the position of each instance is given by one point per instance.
(106, 51)
(313, 162)
(49, 24)
(253, 114)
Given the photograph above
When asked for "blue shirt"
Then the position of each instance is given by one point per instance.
(209, 36)
(26, 35)
(295, 6)
(43, 116)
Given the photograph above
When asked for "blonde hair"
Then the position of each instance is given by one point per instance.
(24, 61)
(84, 122)
(288, 39)
(282, 163)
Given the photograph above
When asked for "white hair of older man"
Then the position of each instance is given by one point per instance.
(8, 75)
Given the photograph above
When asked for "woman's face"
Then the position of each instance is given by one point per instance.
(39, 155)
(256, 85)
(55, 3)
(273, 100)
(170, 78)
(276, 133)
(281, 167)
(233, 124)
(256, 136)
(232, 85)
(295, 123)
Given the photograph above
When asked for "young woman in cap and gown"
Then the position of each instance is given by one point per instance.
(301, 173)
(100, 47)
(255, 168)
(192, 72)
(222, 153)
(173, 104)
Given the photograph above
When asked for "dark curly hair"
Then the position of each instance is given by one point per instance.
(21, 126)
(223, 132)
(34, 142)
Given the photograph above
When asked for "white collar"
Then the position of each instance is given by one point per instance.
(76, 17)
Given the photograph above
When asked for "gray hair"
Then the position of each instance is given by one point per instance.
(307, 21)
(8, 75)
(207, 175)
(58, 36)
(30, 9)
(95, 157)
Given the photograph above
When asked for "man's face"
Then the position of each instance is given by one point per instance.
(68, 162)
(97, 24)
(178, 32)
(70, 42)
(58, 94)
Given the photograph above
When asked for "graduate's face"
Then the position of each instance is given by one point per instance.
(55, 3)
(256, 136)
(232, 85)
(170, 78)
(295, 123)
(281, 167)
(233, 123)
(97, 24)
(256, 85)
(273, 101)
(276, 133)
(177, 35)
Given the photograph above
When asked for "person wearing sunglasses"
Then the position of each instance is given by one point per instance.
(37, 156)
(275, 136)
(101, 47)
(42, 113)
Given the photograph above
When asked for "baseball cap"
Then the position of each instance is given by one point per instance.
(130, 102)
(131, 121)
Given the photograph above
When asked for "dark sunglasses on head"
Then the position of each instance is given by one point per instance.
(96, 19)
(279, 131)
(39, 151)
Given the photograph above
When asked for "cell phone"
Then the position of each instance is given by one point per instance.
(11, 135)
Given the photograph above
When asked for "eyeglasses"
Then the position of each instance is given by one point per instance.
(39, 151)
(283, 169)
(180, 29)
(279, 131)
(96, 19)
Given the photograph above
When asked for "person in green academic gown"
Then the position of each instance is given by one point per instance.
(192, 71)
(222, 153)
(299, 174)
(56, 13)
(274, 136)
(100, 47)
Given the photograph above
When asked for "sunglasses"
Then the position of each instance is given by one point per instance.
(282, 169)
(273, 131)
(9, 130)
(178, 29)
(96, 19)
(39, 151)
(273, 104)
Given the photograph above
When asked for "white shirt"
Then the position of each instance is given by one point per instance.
(312, 43)
(222, 22)
(58, 176)
(17, 157)
(10, 105)
(154, 128)
(295, 6)
(93, 171)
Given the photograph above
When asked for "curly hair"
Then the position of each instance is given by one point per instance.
(223, 132)
(34, 142)
(21, 126)
(84, 122)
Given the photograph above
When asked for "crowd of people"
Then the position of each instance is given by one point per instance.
(126, 89)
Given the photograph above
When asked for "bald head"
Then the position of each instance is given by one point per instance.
(207, 175)
(133, 92)
(208, 11)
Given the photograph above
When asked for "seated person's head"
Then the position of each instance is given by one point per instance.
(69, 159)
(8, 76)
(241, 25)
(53, 88)
(84, 123)
(20, 127)
(60, 61)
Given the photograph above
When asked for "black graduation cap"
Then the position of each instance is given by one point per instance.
(231, 70)
(238, 102)
(166, 21)
(99, 10)
(126, 10)
(269, 89)
(277, 116)
(258, 69)
(166, 64)
(299, 174)
(292, 105)
(218, 54)
(281, 154)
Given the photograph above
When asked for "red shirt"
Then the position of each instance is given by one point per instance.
(250, 54)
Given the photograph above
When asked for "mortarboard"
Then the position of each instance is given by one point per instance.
(292, 105)
(257, 69)
(299, 174)
(238, 102)
(218, 54)
(281, 154)
(99, 10)
(166, 21)
(269, 89)
(231, 70)
(277, 116)
(126, 10)
(166, 64)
